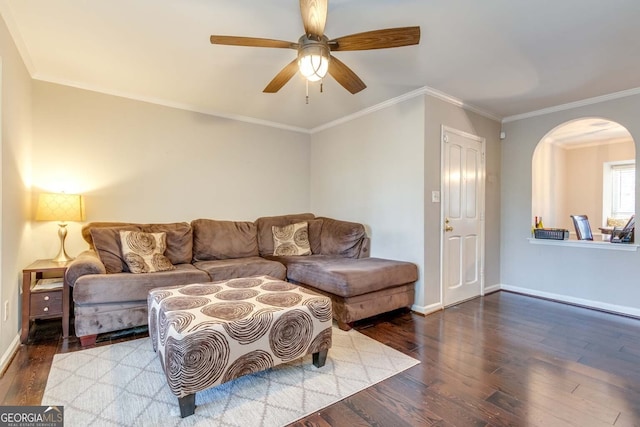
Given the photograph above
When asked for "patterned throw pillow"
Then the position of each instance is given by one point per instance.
(144, 252)
(292, 239)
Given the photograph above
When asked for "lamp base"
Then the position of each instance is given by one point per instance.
(62, 257)
(62, 253)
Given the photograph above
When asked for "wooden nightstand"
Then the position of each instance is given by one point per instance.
(44, 303)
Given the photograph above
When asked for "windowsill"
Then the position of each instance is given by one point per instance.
(607, 246)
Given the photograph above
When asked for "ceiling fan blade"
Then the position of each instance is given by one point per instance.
(377, 39)
(252, 42)
(314, 16)
(282, 77)
(345, 76)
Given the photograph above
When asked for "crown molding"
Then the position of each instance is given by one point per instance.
(571, 105)
(368, 110)
(16, 35)
(171, 104)
(252, 120)
(425, 90)
(460, 103)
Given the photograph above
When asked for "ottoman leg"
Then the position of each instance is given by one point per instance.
(320, 358)
(187, 405)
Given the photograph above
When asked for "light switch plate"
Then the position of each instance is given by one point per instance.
(435, 197)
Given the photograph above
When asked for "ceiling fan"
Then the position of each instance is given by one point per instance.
(314, 48)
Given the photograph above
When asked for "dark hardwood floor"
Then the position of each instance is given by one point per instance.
(504, 359)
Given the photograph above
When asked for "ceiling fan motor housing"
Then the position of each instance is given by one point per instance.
(313, 57)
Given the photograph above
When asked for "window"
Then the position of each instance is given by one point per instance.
(619, 179)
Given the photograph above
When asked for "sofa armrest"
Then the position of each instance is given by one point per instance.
(87, 262)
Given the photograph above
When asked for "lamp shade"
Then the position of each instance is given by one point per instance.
(60, 207)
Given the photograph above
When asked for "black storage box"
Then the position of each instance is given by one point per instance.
(551, 233)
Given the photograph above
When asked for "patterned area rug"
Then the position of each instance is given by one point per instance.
(123, 385)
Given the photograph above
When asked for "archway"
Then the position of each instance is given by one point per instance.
(584, 167)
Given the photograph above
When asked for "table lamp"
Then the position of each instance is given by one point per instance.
(60, 207)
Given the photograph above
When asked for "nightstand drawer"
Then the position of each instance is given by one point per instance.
(45, 304)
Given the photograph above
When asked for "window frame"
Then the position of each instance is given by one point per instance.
(608, 172)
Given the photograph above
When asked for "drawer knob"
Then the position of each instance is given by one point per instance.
(45, 309)
(46, 298)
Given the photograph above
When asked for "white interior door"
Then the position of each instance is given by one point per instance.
(462, 246)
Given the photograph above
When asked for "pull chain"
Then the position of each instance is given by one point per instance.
(307, 85)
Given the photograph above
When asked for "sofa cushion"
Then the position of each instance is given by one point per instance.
(213, 239)
(242, 267)
(86, 229)
(309, 259)
(106, 242)
(179, 240)
(349, 277)
(123, 287)
(341, 237)
(144, 252)
(292, 239)
(265, 235)
(179, 237)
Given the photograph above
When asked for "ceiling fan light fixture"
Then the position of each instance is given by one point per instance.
(313, 59)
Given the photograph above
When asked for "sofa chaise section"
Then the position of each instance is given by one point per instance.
(340, 267)
(358, 288)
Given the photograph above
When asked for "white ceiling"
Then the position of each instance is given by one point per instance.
(505, 57)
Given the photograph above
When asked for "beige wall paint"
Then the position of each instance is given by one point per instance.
(584, 177)
(16, 251)
(549, 183)
(438, 113)
(370, 170)
(141, 162)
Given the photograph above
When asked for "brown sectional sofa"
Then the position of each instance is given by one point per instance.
(107, 297)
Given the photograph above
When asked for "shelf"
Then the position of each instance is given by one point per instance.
(589, 244)
(46, 285)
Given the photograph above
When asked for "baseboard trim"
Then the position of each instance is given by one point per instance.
(491, 289)
(596, 305)
(427, 309)
(6, 358)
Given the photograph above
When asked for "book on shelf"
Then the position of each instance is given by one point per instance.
(48, 284)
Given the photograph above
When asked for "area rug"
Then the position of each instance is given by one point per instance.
(123, 385)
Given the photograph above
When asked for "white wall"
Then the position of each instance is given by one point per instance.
(15, 142)
(582, 275)
(141, 162)
(370, 170)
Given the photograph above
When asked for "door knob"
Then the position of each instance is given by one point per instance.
(447, 227)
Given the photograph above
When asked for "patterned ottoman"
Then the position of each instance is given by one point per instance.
(210, 333)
